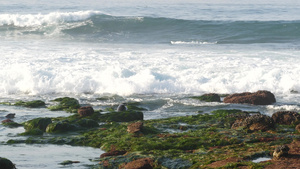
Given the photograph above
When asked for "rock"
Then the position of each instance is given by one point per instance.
(65, 103)
(85, 111)
(7, 121)
(211, 97)
(87, 123)
(10, 115)
(10, 123)
(142, 163)
(124, 116)
(31, 104)
(255, 123)
(40, 123)
(298, 128)
(6, 164)
(32, 132)
(68, 162)
(60, 127)
(113, 153)
(258, 98)
(281, 151)
(135, 127)
(286, 117)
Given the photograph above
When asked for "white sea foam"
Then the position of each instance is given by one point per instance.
(192, 43)
(32, 20)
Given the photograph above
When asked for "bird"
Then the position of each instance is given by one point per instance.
(122, 107)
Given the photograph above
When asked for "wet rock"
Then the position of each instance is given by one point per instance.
(68, 162)
(125, 116)
(85, 111)
(10, 115)
(135, 127)
(113, 153)
(261, 97)
(298, 128)
(254, 123)
(143, 163)
(87, 123)
(281, 151)
(10, 123)
(40, 123)
(286, 117)
(65, 103)
(31, 104)
(6, 164)
(210, 97)
(60, 127)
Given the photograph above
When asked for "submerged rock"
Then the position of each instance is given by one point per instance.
(210, 97)
(254, 123)
(286, 117)
(261, 97)
(142, 163)
(6, 164)
(40, 123)
(281, 151)
(85, 111)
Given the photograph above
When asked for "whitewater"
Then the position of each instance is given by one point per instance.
(158, 53)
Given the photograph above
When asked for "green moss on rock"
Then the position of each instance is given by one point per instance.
(40, 123)
(65, 103)
(6, 163)
(124, 116)
(59, 127)
(211, 97)
(35, 132)
(31, 104)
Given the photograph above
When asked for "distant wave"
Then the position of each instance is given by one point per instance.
(100, 27)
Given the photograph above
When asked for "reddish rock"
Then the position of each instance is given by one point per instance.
(143, 163)
(85, 111)
(286, 117)
(113, 153)
(261, 97)
(135, 127)
(7, 121)
(254, 123)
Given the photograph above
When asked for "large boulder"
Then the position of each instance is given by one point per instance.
(6, 164)
(142, 163)
(254, 123)
(286, 117)
(85, 111)
(261, 97)
(40, 123)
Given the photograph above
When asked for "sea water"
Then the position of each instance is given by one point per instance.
(155, 52)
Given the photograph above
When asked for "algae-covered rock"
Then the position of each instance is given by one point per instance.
(31, 104)
(87, 123)
(40, 123)
(66, 103)
(59, 127)
(210, 97)
(35, 132)
(142, 163)
(255, 123)
(125, 116)
(135, 127)
(6, 163)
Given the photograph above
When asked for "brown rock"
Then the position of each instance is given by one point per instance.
(298, 128)
(85, 111)
(286, 117)
(10, 115)
(254, 123)
(135, 127)
(281, 151)
(143, 163)
(7, 121)
(260, 97)
(113, 153)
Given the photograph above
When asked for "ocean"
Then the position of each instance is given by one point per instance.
(155, 52)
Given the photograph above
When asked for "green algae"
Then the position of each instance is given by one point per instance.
(208, 98)
(65, 103)
(40, 123)
(35, 131)
(11, 124)
(6, 163)
(31, 104)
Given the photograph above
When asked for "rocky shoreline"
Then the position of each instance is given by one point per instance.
(218, 139)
